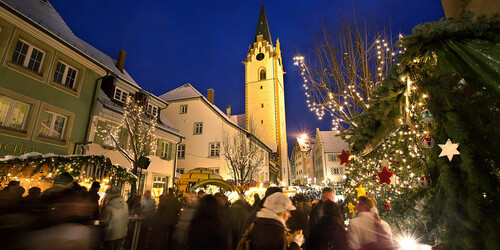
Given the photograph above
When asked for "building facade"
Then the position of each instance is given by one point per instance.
(47, 81)
(327, 166)
(264, 94)
(207, 130)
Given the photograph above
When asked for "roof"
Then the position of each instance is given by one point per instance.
(187, 91)
(42, 14)
(164, 123)
(331, 142)
(263, 27)
(239, 120)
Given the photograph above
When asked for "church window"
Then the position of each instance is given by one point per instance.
(261, 121)
(262, 74)
(262, 105)
(260, 86)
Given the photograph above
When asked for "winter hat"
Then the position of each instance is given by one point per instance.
(113, 191)
(278, 202)
(63, 178)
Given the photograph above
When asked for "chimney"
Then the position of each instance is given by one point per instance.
(120, 61)
(210, 95)
(228, 111)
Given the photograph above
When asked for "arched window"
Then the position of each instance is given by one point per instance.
(262, 74)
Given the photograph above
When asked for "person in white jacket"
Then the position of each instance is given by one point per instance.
(115, 218)
(367, 228)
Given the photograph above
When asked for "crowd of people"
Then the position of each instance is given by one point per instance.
(68, 216)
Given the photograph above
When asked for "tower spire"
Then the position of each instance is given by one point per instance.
(263, 27)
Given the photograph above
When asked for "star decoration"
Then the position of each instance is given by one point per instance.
(449, 149)
(351, 208)
(344, 158)
(385, 176)
(419, 205)
(360, 190)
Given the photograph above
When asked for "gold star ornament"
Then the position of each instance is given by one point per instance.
(360, 190)
(351, 208)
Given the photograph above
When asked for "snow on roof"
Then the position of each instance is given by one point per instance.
(239, 119)
(42, 14)
(164, 123)
(331, 142)
(185, 91)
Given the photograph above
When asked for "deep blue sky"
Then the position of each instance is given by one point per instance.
(173, 42)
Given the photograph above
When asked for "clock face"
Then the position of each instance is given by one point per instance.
(260, 56)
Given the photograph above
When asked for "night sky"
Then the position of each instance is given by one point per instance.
(170, 43)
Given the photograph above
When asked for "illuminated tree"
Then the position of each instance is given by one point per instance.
(134, 137)
(347, 63)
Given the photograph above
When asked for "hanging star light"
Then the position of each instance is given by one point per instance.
(351, 208)
(449, 149)
(385, 176)
(360, 190)
(344, 158)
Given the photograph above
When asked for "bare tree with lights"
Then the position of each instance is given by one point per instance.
(138, 128)
(347, 63)
(243, 156)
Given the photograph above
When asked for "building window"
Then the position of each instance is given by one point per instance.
(262, 74)
(335, 170)
(152, 110)
(120, 95)
(260, 86)
(216, 170)
(28, 56)
(180, 170)
(331, 157)
(184, 109)
(181, 151)
(159, 185)
(262, 105)
(53, 125)
(198, 128)
(214, 149)
(108, 141)
(13, 113)
(164, 149)
(65, 75)
(261, 121)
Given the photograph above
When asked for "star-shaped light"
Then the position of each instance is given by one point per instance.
(385, 176)
(351, 208)
(344, 157)
(449, 149)
(360, 190)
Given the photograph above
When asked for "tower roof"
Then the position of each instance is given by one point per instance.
(263, 27)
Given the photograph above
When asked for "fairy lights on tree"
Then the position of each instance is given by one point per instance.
(347, 64)
(137, 129)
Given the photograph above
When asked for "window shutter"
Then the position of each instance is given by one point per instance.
(98, 135)
(159, 147)
(123, 138)
(171, 151)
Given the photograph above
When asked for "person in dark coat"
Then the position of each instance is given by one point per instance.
(94, 198)
(329, 232)
(299, 219)
(168, 216)
(326, 194)
(269, 231)
(207, 230)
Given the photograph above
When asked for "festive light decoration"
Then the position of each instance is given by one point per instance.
(449, 149)
(428, 142)
(387, 206)
(351, 208)
(385, 176)
(344, 158)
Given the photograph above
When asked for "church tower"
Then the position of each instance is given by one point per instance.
(264, 94)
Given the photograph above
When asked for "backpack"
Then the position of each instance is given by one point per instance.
(384, 241)
(244, 243)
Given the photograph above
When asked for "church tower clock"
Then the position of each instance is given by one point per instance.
(264, 94)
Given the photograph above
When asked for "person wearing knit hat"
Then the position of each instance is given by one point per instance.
(269, 230)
